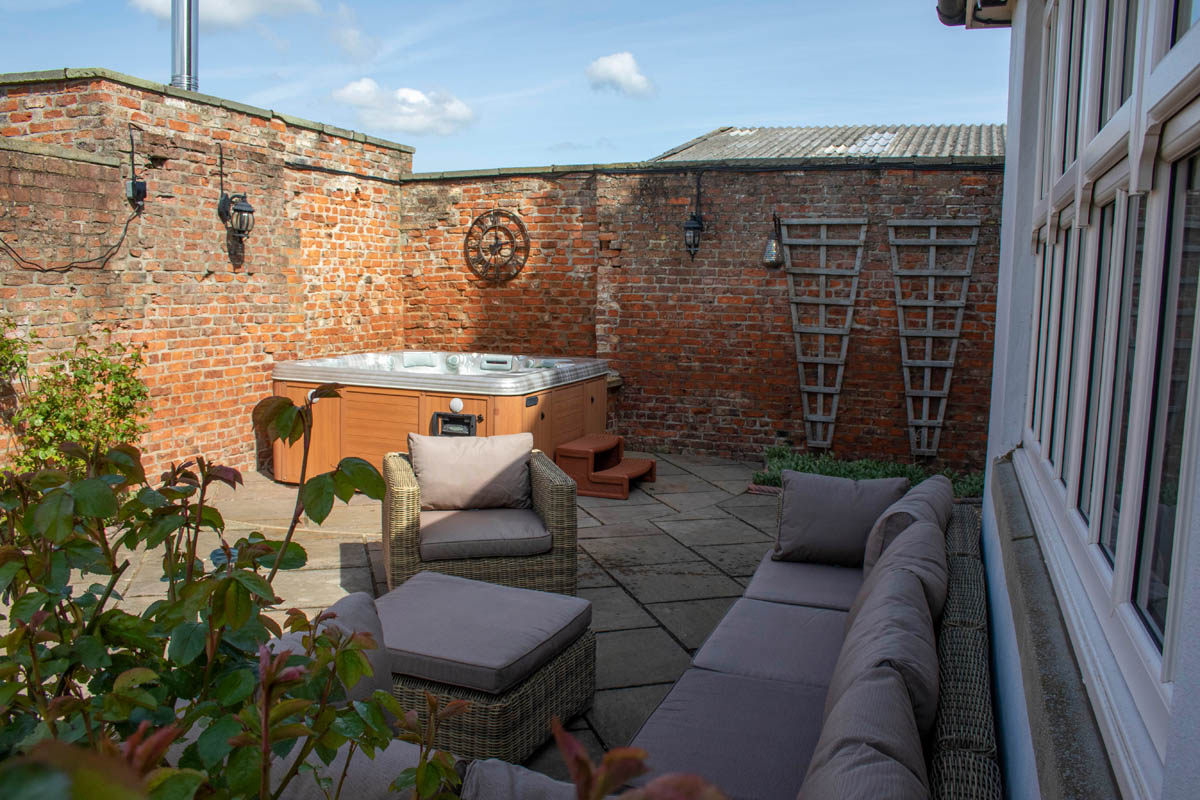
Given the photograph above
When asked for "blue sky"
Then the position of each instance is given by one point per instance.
(489, 83)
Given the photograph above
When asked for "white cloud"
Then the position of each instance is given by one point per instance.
(350, 37)
(405, 110)
(619, 72)
(230, 13)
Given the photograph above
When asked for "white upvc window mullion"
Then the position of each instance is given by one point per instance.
(1087, 270)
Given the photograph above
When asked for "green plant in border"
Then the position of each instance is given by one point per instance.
(185, 699)
(91, 396)
(778, 458)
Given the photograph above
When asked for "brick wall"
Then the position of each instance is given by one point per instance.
(342, 263)
(704, 346)
(318, 275)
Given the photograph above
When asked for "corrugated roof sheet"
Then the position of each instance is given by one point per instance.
(850, 141)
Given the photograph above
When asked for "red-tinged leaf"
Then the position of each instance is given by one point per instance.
(579, 766)
(676, 786)
(292, 731)
(267, 409)
(287, 708)
(410, 721)
(454, 708)
(620, 765)
(270, 625)
(226, 475)
(326, 390)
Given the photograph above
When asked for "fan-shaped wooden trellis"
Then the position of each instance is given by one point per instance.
(931, 295)
(822, 293)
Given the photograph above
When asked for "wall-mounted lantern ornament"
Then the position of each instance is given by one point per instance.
(694, 225)
(234, 210)
(773, 252)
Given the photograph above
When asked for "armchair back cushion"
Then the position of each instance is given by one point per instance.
(457, 472)
(826, 520)
(931, 500)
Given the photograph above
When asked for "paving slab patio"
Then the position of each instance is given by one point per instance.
(660, 569)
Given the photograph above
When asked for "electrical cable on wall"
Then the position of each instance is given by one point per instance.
(135, 192)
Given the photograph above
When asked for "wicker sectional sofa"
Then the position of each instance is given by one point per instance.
(866, 680)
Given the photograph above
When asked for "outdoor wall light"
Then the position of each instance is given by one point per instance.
(694, 225)
(773, 252)
(234, 210)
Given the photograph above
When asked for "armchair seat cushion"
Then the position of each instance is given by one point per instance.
(482, 533)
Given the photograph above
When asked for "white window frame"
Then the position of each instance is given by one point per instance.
(1130, 680)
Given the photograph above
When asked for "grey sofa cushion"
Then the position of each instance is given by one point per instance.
(493, 779)
(753, 738)
(868, 742)
(473, 634)
(921, 550)
(931, 500)
(472, 471)
(482, 533)
(801, 584)
(826, 520)
(796, 644)
(354, 613)
(893, 627)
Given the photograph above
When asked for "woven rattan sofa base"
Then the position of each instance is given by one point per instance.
(512, 725)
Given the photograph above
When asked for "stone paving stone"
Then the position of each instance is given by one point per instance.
(736, 559)
(701, 532)
(638, 657)
(321, 587)
(691, 621)
(549, 761)
(688, 461)
(663, 468)
(616, 514)
(751, 499)
(675, 484)
(614, 610)
(616, 714)
(585, 520)
(733, 487)
(662, 583)
(627, 551)
(765, 518)
(588, 573)
(691, 501)
(642, 528)
(327, 551)
(733, 472)
(708, 512)
(637, 497)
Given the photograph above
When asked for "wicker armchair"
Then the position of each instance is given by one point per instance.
(553, 500)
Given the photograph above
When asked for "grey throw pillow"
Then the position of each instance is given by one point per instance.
(826, 520)
(458, 472)
(893, 627)
(921, 550)
(869, 745)
(931, 500)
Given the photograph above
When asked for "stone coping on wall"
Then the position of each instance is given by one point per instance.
(980, 163)
(55, 151)
(91, 73)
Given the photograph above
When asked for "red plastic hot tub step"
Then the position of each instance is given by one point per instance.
(598, 465)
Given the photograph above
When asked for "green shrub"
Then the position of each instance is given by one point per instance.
(779, 458)
(91, 397)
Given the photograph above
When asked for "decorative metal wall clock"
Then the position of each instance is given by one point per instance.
(496, 246)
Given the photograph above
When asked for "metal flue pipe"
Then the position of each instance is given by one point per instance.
(185, 28)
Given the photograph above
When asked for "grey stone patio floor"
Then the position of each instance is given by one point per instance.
(660, 569)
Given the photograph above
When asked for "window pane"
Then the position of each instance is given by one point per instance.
(1039, 345)
(1164, 456)
(1054, 389)
(1129, 50)
(1047, 132)
(1107, 60)
(1127, 327)
(1186, 13)
(1067, 358)
(1074, 51)
(1095, 363)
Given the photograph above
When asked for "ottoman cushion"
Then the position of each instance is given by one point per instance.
(473, 634)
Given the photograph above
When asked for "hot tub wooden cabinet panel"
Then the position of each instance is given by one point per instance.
(595, 410)
(472, 404)
(325, 450)
(378, 421)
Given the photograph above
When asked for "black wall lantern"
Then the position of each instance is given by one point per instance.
(694, 225)
(773, 252)
(234, 210)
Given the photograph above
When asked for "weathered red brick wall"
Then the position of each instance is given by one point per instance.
(704, 346)
(320, 274)
(549, 308)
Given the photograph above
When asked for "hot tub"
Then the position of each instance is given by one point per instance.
(387, 396)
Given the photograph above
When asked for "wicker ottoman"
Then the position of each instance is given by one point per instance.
(521, 657)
